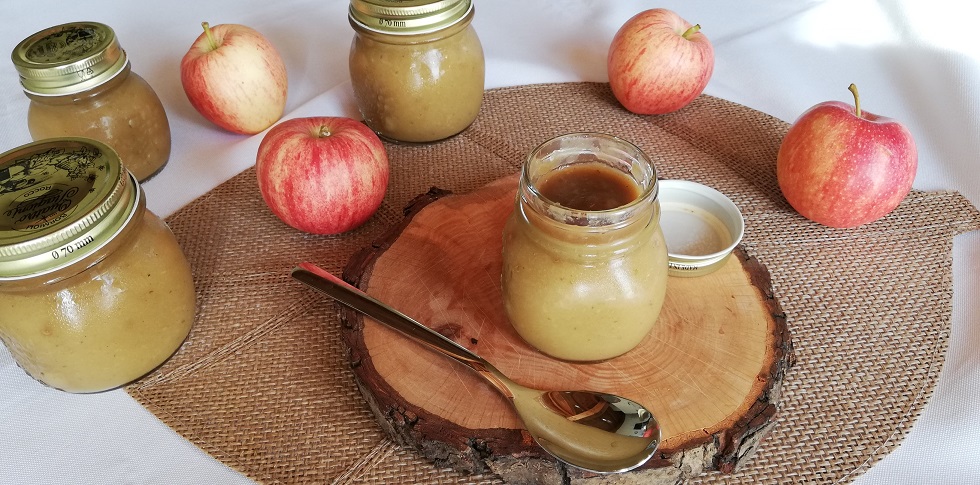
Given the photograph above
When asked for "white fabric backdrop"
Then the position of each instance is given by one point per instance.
(915, 61)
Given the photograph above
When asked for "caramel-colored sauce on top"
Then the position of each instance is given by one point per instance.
(589, 187)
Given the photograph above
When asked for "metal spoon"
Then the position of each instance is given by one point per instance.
(595, 431)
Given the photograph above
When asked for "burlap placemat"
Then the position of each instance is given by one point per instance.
(263, 383)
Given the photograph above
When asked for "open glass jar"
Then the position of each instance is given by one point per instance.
(416, 67)
(94, 289)
(80, 83)
(584, 259)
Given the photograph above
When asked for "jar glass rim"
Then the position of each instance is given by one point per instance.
(606, 148)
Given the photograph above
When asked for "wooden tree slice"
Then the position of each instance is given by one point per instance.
(710, 370)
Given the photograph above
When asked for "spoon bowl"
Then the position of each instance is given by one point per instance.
(595, 431)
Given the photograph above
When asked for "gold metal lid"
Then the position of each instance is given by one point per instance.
(68, 58)
(61, 200)
(407, 17)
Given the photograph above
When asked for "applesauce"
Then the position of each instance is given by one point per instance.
(80, 83)
(584, 259)
(417, 68)
(95, 291)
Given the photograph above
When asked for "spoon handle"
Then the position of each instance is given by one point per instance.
(340, 290)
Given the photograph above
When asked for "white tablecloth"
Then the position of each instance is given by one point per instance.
(915, 61)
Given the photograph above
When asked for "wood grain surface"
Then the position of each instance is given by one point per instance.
(710, 369)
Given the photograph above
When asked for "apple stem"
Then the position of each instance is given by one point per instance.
(691, 31)
(857, 99)
(207, 30)
(322, 131)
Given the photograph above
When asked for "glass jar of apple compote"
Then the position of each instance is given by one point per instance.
(94, 289)
(416, 66)
(80, 83)
(584, 259)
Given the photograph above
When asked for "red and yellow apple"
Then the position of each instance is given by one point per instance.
(322, 175)
(841, 166)
(235, 78)
(658, 62)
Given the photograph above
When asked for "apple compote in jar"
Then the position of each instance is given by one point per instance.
(94, 289)
(80, 83)
(416, 67)
(584, 259)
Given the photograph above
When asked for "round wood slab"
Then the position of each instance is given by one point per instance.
(711, 369)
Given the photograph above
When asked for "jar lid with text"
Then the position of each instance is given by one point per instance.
(68, 58)
(61, 201)
(701, 226)
(408, 17)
